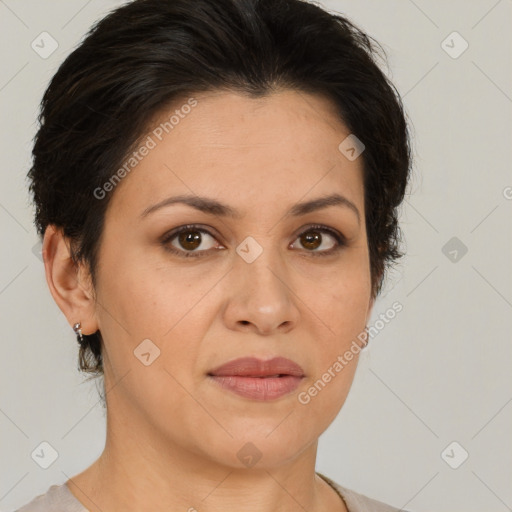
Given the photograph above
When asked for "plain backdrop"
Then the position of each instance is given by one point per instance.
(427, 423)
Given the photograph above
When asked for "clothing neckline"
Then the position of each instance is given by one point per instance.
(337, 489)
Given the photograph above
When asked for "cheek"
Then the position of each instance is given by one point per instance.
(140, 297)
(334, 354)
(341, 303)
(341, 311)
(321, 400)
(150, 309)
(146, 315)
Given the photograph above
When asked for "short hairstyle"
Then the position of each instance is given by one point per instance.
(144, 55)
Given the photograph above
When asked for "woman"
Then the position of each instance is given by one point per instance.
(217, 185)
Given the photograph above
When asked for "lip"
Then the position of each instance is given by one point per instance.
(259, 379)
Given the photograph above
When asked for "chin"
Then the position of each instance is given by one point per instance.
(259, 447)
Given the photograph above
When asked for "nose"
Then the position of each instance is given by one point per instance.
(261, 297)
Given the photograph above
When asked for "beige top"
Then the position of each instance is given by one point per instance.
(58, 498)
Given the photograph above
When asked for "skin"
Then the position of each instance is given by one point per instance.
(173, 434)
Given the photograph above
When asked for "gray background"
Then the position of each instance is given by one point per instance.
(438, 373)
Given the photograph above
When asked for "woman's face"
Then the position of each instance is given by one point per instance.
(261, 283)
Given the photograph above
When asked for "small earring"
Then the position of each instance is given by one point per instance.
(78, 330)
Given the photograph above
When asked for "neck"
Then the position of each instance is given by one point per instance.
(138, 470)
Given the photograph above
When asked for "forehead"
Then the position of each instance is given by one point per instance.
(242, 149)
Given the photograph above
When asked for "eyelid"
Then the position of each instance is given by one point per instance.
(337, 235)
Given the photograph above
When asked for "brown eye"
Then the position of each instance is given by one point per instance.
(315, 237)
(187, 240)
(311, 239)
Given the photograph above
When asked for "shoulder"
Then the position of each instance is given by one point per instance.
(56, 498)
(357, 502)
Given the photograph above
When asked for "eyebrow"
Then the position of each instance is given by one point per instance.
(214, 207)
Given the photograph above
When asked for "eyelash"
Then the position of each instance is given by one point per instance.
(340, 239)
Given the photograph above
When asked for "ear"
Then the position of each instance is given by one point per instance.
(370, 308)
(371, 303)
(69, 283)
